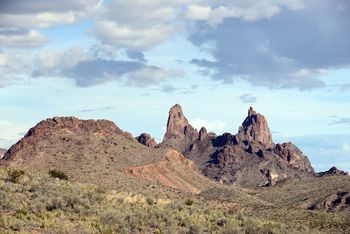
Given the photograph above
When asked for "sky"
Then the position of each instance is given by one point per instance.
(130, 61)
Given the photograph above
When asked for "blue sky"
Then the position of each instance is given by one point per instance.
(130, 61)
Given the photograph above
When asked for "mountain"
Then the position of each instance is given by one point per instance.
(97, 151)
(121, 184)
(249, 157)
(179, 133)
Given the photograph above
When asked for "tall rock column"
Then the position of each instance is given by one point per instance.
(255, 129)
(179, 133)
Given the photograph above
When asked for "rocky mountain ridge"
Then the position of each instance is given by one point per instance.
(249, 157)
(97, 156)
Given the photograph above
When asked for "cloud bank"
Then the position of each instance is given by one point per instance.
(272, 43)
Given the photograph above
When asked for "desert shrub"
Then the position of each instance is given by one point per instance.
(194, 229)
(189, 202)
(58, 174)
(150, 201)
(14, 175)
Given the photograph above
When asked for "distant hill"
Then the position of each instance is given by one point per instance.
(97, 151)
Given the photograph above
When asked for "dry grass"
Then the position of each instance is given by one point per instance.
(36, 203)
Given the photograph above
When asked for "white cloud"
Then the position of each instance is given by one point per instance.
(247, 98)
(3, 59)
(13, 66)
(152, 75)
(55, 62)
(141, 24)
(216, 126)
(35, 13)
(86, 68)
(131, 37)
(304, 72)
(214, 12)
(42, 20)
(198, 12)
(20, 19)
(27, 39)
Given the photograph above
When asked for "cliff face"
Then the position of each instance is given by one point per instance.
(255, 129)
(249, 157)
(179, 133)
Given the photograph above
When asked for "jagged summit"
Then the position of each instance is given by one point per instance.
(251, 111)
(203, 135)
(255, 128)
(249, 157)
(179, 133)
(178, 126)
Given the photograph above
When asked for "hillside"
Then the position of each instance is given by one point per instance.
(37, 203)
(97, 151)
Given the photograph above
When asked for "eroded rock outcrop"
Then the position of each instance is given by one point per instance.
(147, 140)
(293, 156)
(248, 158)
(203, 135)
(255, 129)
(179, 133)
(333, 202)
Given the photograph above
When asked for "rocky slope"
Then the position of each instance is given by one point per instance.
(174, 171)
(97, 151)
(249, 157)
(255, 129)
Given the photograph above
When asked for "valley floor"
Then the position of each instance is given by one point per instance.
(34, 203)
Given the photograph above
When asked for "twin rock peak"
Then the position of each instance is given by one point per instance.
(249, 157)
(253, 129)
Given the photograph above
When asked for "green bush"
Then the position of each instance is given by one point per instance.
(14, 175)
(189, 202)
(58, 174)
